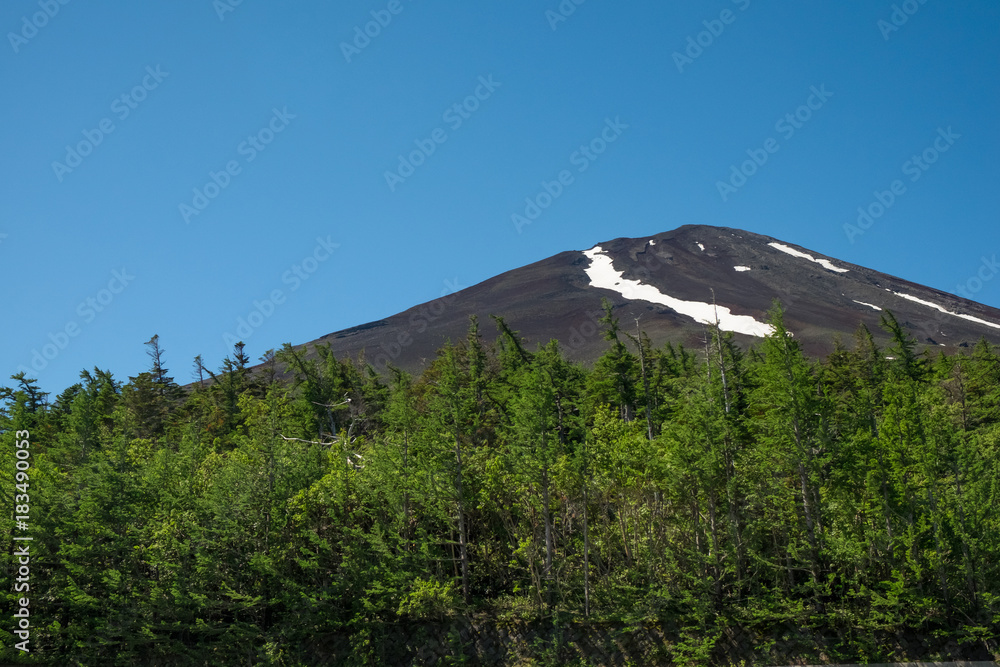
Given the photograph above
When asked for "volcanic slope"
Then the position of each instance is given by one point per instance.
(669, 282)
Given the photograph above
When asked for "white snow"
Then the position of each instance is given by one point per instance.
(652, 242)
(742, 268)
(937, 307)
(825, 263)
(602, 274)
(866, 304)
(700, 246)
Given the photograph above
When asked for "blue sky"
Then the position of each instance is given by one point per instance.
(168, 168)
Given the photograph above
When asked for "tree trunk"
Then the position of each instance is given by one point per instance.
(586, 552)
(549, 547)
(462, 546)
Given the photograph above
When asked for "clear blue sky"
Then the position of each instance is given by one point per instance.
(183, 87)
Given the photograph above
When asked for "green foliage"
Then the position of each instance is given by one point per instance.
(429, 600)
(250, 521)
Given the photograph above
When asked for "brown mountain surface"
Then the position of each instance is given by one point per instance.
(678, 272)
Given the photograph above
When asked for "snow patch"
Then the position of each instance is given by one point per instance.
(937, 307)
(602, 274)
(700, 246)
(825, 263)
(742, 268)
(866, 304)
(652, 242)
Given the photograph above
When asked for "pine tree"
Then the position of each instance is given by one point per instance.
(788, 427)
(613, 380)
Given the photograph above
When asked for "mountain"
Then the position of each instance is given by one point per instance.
(669, 282)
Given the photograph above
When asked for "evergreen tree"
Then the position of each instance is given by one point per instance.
(613, 381)
(788, 430)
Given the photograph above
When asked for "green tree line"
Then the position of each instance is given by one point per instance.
(239, 521)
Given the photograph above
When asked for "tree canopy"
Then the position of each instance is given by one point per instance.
(243, 519)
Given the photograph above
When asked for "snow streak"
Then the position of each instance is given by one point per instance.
(825, 263)
(866, 304)
(602, 274)
(937, 307)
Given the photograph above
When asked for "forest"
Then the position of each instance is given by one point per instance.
(244, 517)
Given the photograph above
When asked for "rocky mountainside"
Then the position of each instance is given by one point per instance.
(669, 283)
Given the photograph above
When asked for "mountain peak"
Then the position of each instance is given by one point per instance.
(675, 284)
